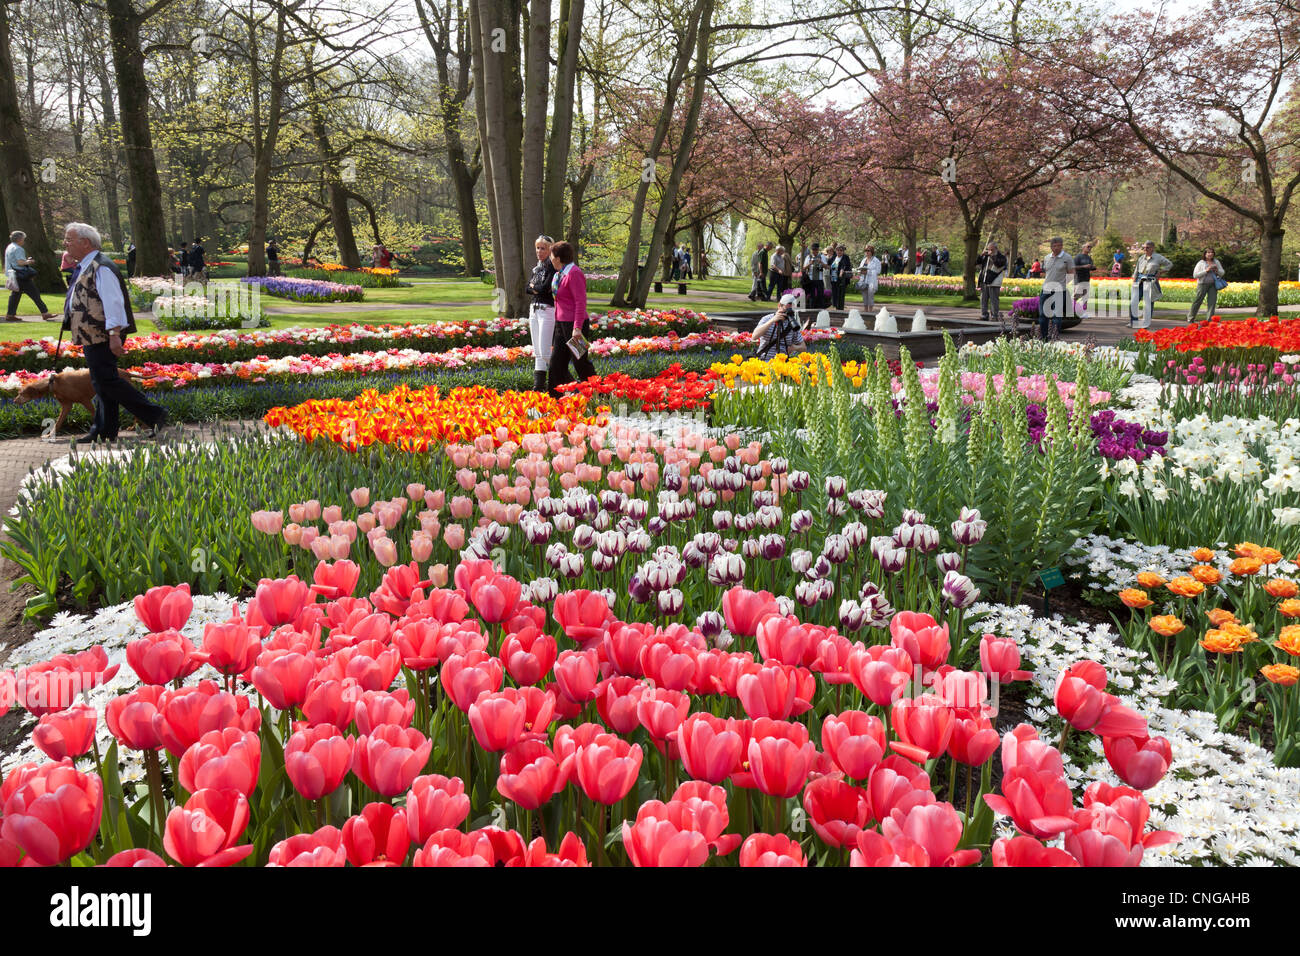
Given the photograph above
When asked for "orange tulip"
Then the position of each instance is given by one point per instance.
(1185, 586)
(1245, 567)
(1221, 642)
(1205, 574)
(1150, 580)
(1203, 555)
(1246, 549)
(1135, 598)
(1289, 608)
(1288, 639)
(1167, 625)
(1283, 674)
(1268, 555)
(1281, 588)
(1219, 616)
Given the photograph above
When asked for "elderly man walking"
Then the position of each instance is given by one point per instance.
(1057, 269)
(1148, 269)
(97, 312)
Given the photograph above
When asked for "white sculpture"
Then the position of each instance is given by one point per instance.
(823, 320)
(918, 321)
(854, 323)
(885, 322)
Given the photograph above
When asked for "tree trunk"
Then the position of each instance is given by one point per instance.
(137, 139)
(971, 249)
(21, 206)
(264, 144)
(338, 194)
(537, 73)
(669, 198)
(576, 190)
(108, 160)
(480, 112)
(909, 240)
(497, 40)
(625, 286)
(1270, 267)
(470, 240)
(557, 157)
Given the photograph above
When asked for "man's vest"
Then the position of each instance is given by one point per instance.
(83, 313)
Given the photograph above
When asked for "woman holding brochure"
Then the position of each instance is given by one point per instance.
(569, 287)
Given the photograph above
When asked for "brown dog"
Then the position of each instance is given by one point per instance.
(67, 388)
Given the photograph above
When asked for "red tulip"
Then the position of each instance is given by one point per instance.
(667, 664)
(771, 691)
(583, 616)
(936, 828)
(323, 847)
(607, 768)
(67, 733)
(284, 678)
(418, 643)
(231, 647)
(710, 747)
(787, 640)
(529, 655)
(571, 853)
(1000, 659)
(164, 608)
(56, 684)
(134, 718)
(576, 673)
(832, 662)
(1082, 702)
(336, 580)
(662, 711)
(188, 713)
(1026, 851)
(373, 665)
(331, 702)
(896, 784)
(160, 657)
(769, 849)
(466, 676)
(1022, 748)
(135, 857)
(317, 758)
(530, 774)
(656, 842)
(1038, 802)
(925, 641)
(622, 644)
(204, 832)
(855, 741)
(498, 719)
(837, 810)
(743, 610)
(700, 806)
(1140, 761)
(495, 597)
(568, 741)
(880, 672)
(377, 836)
(974, 740)
(376, 707)
(435, 803)
(924, 726)
(873, 849)
(616, 702)
(780, 756)
(279, 601)
(454, 848)
(390, 758)
(53, 813)
(1131, 806)
(222, 760)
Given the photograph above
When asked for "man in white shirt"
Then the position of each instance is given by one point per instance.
(1148, 269)
(97, 311)
(1058, 269)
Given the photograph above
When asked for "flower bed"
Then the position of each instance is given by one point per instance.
(1273, 335)
(306, 290)
(366, 278)
(230, 346)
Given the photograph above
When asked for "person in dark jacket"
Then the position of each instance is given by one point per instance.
(130, 259)
(541, 313)
(198, 265)
(97, 311)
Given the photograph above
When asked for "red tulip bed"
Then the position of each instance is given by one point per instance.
(494, 723)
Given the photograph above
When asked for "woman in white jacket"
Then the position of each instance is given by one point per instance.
(1207, 273)
(869, 270)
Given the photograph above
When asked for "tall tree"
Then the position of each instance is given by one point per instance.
(1211, 93)
(147, 225)
(446, 28)
(17, 177)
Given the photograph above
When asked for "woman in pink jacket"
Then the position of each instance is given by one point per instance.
(570, 287)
